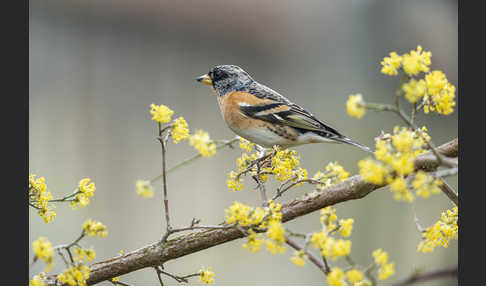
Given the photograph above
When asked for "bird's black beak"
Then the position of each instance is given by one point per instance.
(205, 79)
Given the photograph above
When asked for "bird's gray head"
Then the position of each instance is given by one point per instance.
(226, 78)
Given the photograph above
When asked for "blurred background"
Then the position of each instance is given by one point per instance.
(96, 66)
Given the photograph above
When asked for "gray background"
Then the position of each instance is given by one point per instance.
(96, 66)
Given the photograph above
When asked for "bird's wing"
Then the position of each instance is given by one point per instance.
(289, 114)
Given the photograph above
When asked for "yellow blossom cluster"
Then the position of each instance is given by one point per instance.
(206, 275)
(440, 94)
(284, 166)
(246, 145)
(435, 91)
(84, 254)
(39, 198)
(394, 160)
(85, 190)
(337, 277)
(180, 131)
(37, 280)
(412, 63)
(93, 228)
(144, 189)
(267, 218)
(161, 113)
(298, 258)
(43, 250)
(441, 232)
(381, 259)
(334, 173)
(255, 241)
(75, 275)
(285, 163)
(328, 245)
(355, 106)
(203, 143)
(425, 185)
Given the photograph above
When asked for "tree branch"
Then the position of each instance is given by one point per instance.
(158, 253)
(442, 273)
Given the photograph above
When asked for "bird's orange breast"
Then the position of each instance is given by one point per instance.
(229, 105)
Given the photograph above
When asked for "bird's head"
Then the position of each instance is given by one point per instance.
(226, 78)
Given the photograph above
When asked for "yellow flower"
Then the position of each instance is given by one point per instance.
(43, 250)
(85, 188)
(92, 228)
(206, 276)
(441, 94)
(144, 189)
(298, 258)
(391, 64)
(441, 232)
(425, 184)
(161, 113)
(246, 145)
(39, 197)
(328, 217)
(435, 81)
(356, 106)
(276, 232)
(115, 279)
(283, 163)
(84, 254)
(37, 281)
(319, 239)
(255, 241)
(403, 165)
(337, 171)
(336, 277)
(233, 183)
(372, 171)
(238, 213)
(354, 276)
(75, 275)
(274, 247)
(346, 226)
(202, 143)
(337, 248)
(386, 271)
(85, 191)
(414, 90)
(180, 131)
(381, 257)
(400, 190)
(417, 61)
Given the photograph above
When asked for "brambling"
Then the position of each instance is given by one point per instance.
(263, 116)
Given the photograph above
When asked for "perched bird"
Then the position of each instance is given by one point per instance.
(263, 116)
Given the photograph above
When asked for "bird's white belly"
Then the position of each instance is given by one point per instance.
(264, 138)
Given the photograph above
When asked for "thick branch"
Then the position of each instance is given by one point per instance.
(158, 253)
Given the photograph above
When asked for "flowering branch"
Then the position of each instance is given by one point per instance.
(160, 252)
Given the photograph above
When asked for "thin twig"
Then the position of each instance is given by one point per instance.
(292, 243)
(163, 141)
(221, 145)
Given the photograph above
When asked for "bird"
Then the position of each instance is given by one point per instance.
(263, 116)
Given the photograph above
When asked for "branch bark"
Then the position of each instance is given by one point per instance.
(158, 253)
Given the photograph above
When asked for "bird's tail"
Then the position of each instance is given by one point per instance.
(351, 142)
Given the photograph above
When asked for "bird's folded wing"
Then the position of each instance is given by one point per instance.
(288, 114)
